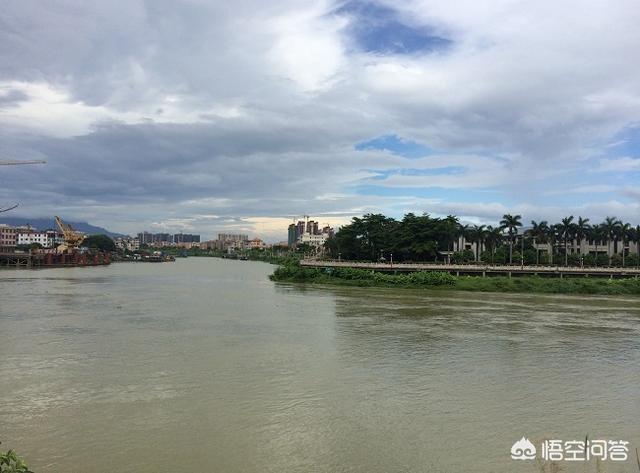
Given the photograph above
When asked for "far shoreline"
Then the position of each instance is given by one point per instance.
(294, 273)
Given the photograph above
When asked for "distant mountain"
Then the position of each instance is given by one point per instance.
(46, 223)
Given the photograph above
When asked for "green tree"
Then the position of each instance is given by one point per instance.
(566, 232)
(624, 231)
(99, 242)
(478, 234)
(538, 232)
(610, 230)
(581, 230)
(493, 238)
(511, 224)
(597, 235)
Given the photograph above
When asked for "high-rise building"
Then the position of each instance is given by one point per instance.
(145, 238)
(232, 237)
(300, 229)
(312, 227)
(162, 237)
(186, 238)
(292, 236)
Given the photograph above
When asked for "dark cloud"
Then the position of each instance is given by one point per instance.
(205, 114)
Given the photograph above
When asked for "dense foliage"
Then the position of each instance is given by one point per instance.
(293, 272)
(414, 238)
(99, 242)
(375, 237)
(10, 462)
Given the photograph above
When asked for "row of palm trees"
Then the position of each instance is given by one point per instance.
(610, 232)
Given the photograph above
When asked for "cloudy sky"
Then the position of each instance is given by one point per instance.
(205, 116)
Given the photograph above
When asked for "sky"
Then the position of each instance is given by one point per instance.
(206, 116)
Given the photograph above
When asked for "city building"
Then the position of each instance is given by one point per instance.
(208, 245)
(187, 244)
(8, 238)
(127, 243)
(256, 244)
(232, 242)
(604, 247)
(233, 237)
(308, 232)
(47, 238)
(316, 241)
(185, 238)
(160, 240)
(292, 235)
(145, 238)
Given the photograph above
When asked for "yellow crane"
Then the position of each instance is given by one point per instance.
(17, 163)
(72, 238)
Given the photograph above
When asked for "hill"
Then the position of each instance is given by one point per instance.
(46, 223)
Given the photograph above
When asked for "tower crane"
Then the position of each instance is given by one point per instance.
(17, 163)
(72, 238)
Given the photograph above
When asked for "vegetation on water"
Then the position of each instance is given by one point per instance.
(293, 272)
(418, 238)
(10, 462)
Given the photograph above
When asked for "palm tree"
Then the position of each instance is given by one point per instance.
(581, 229)
(511, 224)
(595, 234)
(538, 232)
(479, 233)
(566, 231)
(452, 230)
(624, 231)
(493, 236)
(610, 228)
(552, 238)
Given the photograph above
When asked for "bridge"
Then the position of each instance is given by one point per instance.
(481, 269)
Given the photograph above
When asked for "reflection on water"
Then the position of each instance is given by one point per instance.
(206, 365)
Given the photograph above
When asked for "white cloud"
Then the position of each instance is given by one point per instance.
(251, 110)
(624, 164)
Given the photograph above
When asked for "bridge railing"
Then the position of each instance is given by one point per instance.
(471, 267)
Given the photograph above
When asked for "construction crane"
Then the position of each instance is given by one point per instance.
(17, 163)
(72, 238)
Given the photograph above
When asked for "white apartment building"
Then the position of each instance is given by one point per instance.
(584, 247)
(48, 238)
(131, 244)
(310, 239)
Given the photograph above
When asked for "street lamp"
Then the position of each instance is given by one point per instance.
(339, 256)
(391, 259)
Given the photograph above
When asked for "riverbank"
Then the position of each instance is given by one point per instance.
(293, 272)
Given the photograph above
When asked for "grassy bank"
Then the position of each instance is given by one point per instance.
(293, 272)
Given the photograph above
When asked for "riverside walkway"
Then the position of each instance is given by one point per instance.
(480, 269)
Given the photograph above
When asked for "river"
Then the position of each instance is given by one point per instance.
(204, 365)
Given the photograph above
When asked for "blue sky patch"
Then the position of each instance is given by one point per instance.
(626, 143)
(437, 193)
(379, 29)
(396, 145)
